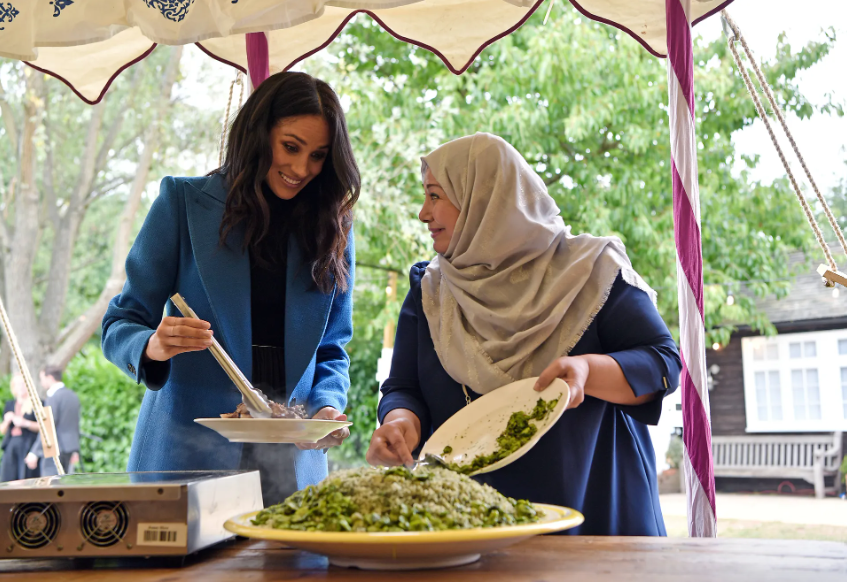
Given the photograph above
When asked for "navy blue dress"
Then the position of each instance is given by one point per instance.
(598, 458)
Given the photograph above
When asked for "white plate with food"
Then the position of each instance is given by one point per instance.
(480, 438)
(454, 516)
(290, 425)
(272, 430)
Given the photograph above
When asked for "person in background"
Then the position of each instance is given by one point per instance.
(19, 429)
(65, 405)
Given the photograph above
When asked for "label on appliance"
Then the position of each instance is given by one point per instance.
(162, 534)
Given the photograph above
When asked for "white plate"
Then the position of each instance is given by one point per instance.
(272, 430)
(474, 429)
(409, 550)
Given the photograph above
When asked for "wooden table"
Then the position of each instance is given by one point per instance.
(594, 559)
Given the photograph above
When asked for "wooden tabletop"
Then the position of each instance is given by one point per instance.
(594, 559)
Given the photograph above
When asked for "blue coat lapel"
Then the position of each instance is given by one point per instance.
(306, 315)
(225, 271)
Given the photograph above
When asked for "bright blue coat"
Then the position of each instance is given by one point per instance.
(177, 250)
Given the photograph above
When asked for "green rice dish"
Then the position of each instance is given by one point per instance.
(396, 500)
(519, 430)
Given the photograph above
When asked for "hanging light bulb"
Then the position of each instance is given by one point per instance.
(835, 292)
(730, 299)
(716, 346)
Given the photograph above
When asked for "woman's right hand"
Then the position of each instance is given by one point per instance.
(393, 442)
(176, 335)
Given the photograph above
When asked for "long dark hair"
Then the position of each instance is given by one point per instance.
(322, 215)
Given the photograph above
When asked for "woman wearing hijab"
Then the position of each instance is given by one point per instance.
(262, 250)
(511, 294)
(19, 429)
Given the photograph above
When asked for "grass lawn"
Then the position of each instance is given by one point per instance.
(735, 528)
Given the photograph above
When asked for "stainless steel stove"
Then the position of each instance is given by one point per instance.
(122, 514)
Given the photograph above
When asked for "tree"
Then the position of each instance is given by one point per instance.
(837, 200)
(586, 106)
(57, 179)
(599, 140)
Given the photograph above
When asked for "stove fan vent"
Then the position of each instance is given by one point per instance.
(34, 525)
(104, 523)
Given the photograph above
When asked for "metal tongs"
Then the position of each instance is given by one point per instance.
(431, 460)
(255, 401)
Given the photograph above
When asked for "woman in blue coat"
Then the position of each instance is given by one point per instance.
(262, 250)
(512, 294)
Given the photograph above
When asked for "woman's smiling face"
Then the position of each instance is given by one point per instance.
(438, 213)
(300, 146)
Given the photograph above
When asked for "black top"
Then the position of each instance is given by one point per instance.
(27, 435)
(267, 281)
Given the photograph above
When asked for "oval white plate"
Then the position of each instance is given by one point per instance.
(474, 429)
(409, 550)
(272, 430)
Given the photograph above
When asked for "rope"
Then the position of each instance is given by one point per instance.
(757, 102)
(776, 109)
(237, 81)
(38, 409)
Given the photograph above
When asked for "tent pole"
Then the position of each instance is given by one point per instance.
(258, 61)
(697, 434)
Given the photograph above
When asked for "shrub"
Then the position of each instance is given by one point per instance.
(109, 404)
(674, 454)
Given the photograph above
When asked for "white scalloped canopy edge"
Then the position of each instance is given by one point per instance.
(87, 43)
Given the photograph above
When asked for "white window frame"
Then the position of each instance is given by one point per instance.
(828, 362)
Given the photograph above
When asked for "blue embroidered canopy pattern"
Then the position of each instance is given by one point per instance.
(7, 13)
(174, 10)
(59, 5)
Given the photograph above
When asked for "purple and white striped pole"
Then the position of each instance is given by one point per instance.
(697, 431)
(258, 61)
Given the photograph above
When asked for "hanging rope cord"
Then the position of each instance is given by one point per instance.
(37, 408)
(733, 33)
(239, 80)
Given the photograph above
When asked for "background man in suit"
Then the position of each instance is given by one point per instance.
(65, 405)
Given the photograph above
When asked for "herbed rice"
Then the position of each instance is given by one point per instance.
(396, 499)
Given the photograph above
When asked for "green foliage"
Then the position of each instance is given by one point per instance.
(5, 392)
(109, 402)
(844, 469)
(600, 141)
(587, 107)
(674, 453)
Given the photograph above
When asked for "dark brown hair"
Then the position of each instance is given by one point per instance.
(321, 215)
(53, 371)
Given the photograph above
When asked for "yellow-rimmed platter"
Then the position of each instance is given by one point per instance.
(409, 550)
(272, 430)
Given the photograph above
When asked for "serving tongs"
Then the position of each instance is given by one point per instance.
(256, 402)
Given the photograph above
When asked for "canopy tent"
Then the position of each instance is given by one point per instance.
(87, 43)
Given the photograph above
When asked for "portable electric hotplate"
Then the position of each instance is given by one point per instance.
(118, 515)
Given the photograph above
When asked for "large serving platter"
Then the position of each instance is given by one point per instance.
(272, 430)
(409, 550)
(474, 429)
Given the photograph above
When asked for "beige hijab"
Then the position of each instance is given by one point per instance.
(515, 289)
